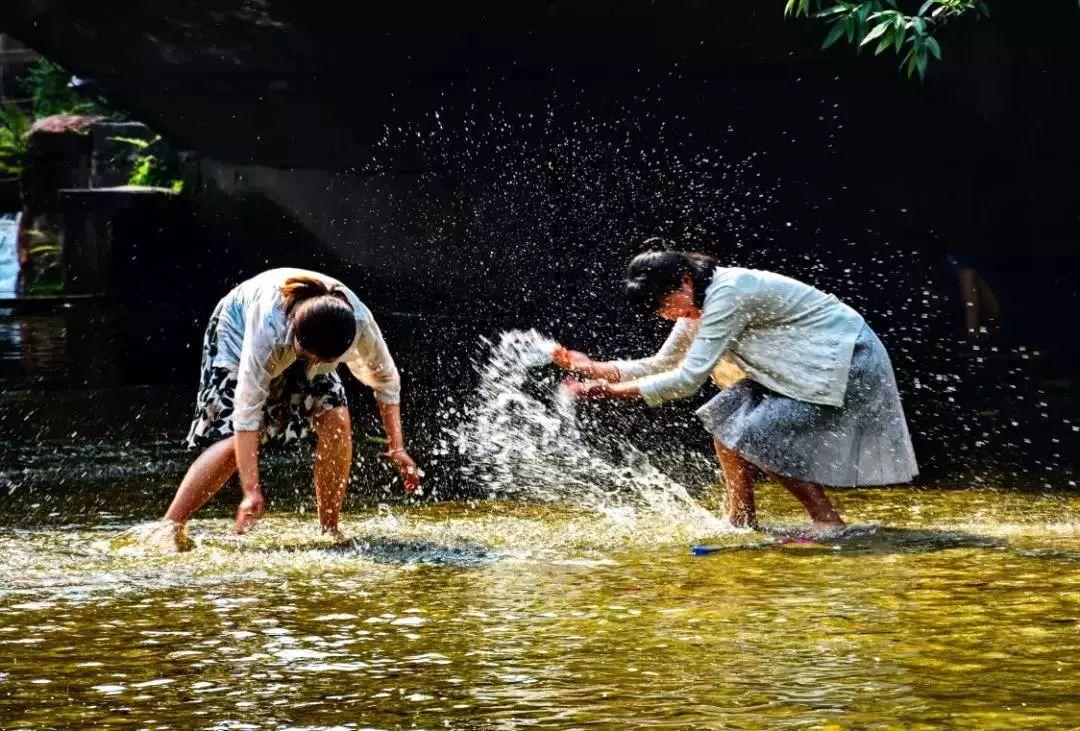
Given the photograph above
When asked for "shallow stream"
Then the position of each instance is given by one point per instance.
(959, 608)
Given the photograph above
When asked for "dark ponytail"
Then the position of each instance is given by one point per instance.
(324, 323)
(655, 274)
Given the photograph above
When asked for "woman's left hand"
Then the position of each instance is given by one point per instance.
(406, 467)
(573, 361)
(588, 390)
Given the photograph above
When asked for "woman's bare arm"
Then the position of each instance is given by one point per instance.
(246, 444)
(396, 452)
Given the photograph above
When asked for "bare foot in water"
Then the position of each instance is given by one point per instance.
(742, 521)
(162, 536)
(334, 532)
(824, 529)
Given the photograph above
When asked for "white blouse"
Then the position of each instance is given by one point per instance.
(255, 341)
(786, 335)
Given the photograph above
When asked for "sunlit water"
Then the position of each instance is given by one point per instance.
(559, 601)
(961, 608)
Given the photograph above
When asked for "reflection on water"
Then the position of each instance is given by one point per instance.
(960, 608)
(85, 345)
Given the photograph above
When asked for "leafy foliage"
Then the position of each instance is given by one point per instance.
(44, 269)
(155, 165)
(49, 86)
(884, 25)
(14, 128)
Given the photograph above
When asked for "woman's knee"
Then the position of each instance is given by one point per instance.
(222, 449)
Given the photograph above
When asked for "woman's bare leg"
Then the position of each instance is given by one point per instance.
(204, 478)
(333, 457)
(739, 481)
(813, 498)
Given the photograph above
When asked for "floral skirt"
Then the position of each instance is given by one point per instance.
(292, 403)
(863, 442)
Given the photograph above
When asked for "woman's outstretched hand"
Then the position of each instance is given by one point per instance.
(599, 389)
(406, 467)
(588, 390)
(572, 360)
(251, 509)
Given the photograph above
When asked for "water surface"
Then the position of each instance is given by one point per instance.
(948, 607)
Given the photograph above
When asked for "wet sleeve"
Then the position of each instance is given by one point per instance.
(723, 317)
(668, 357)
(253, 373)
(373, 365)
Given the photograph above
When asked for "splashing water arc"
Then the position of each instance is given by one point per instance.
(522, 439)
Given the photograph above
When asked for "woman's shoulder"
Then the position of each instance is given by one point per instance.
(736, 279)
(265, 288)
(268, 283)
(745, 279)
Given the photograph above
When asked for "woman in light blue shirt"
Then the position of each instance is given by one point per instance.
(818, 406)
(269, 373)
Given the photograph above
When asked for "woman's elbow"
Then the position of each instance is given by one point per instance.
(687, 386)
(389, 388)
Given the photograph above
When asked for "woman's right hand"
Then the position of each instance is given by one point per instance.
(573, 361)
(251, 509)
(410, 473)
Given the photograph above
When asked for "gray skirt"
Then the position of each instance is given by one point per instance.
(863, 442)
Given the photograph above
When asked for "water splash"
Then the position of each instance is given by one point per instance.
(522, 439)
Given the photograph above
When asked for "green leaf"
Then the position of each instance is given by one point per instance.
(901, 36)
(875, 33)
(909, 62)
(934, 46)
(135, 141)
(885, 43)
(835, 32)
(828, 12)
(922, 63)
(789, 7)
(926, 6)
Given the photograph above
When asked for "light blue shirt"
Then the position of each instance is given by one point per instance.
(255, 340)
(786, 335)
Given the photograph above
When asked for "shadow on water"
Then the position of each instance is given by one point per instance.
(403, 551)
(418, 551)
(886, 540)
(873, 540)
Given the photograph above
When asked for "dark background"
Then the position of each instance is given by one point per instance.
(477, 166)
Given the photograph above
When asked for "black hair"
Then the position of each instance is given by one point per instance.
(653, 275)
(324, 323)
